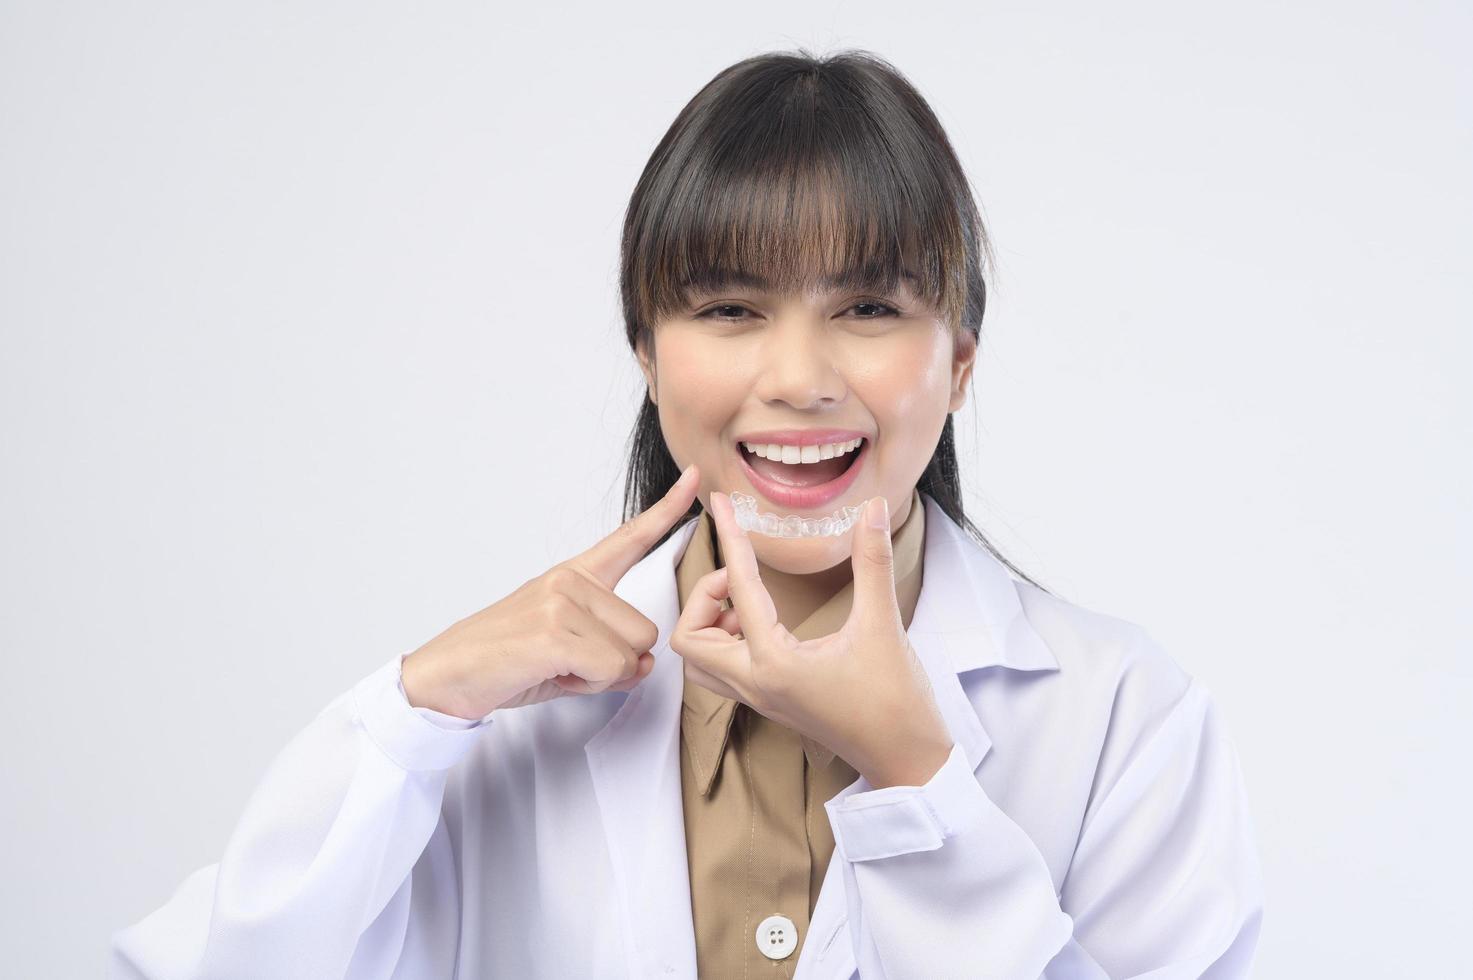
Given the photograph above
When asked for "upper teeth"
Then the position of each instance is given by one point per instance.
(800, 454)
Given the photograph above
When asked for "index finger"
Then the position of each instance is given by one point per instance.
(743, 581)
(611, 558)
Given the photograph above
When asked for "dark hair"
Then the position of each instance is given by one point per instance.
(787, 166)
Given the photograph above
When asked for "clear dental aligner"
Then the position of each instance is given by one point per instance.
(748, 519)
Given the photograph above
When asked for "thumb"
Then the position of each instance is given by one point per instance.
(873, 558)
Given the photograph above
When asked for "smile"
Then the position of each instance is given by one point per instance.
(806, 477)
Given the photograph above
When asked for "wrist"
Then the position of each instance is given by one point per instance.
(422, 689)
(916, 767)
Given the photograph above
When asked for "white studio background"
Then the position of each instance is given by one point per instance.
(310, 345)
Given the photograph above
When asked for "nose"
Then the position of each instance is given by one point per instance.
(798, 367)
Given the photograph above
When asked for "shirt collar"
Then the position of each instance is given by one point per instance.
(706, 717)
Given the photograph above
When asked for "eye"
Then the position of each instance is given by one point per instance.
(709, 314)
(887, 308)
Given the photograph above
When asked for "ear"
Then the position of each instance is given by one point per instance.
(963, 359)
(646, 357)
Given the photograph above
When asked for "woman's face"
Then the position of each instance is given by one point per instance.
(795, 369)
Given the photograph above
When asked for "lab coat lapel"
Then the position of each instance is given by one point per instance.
(967, 617)
(635, 766)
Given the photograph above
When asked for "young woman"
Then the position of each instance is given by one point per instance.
(831, 738)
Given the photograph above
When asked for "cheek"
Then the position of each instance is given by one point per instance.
(697, 398)
(907, 388)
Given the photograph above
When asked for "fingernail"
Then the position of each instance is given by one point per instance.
(686, 472)
(878, 513)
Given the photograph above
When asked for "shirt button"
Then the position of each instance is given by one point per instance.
(777, 937)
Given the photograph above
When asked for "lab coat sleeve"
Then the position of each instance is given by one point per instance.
(1164, 881)
(340, 836)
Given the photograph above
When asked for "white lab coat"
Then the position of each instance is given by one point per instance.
(1090, 822)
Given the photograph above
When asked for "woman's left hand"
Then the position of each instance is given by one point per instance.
(860, 692)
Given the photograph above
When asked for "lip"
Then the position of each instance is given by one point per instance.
(804, 498)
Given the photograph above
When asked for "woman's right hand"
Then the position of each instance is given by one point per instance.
(564, 632)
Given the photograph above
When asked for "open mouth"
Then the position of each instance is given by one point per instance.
(798, 485)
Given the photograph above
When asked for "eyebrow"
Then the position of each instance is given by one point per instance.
(860, 277)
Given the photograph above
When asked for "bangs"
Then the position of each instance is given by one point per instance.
(793, 194)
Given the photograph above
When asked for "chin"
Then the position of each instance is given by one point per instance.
(800, 556)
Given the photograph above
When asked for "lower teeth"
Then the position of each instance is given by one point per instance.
(792, 526)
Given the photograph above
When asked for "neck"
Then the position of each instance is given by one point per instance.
(797, 596)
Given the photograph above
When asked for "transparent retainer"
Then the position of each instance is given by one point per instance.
(839, 523)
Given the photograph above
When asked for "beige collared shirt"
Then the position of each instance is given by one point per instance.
(757, 835)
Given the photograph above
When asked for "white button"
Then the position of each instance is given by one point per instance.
(777, 937)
